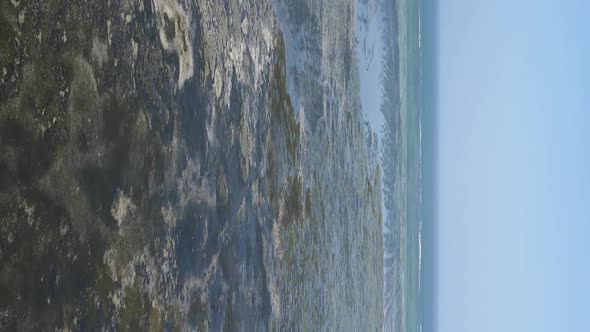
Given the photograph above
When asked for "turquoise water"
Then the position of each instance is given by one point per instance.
(422, 164)
(414, 185)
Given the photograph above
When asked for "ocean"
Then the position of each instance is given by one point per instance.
(405, 129)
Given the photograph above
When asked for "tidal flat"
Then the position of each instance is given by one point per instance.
(185, 165)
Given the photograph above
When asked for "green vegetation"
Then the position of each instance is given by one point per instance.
(282, 113)
(283, 144)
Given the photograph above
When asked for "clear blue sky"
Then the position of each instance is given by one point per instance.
(514, 190)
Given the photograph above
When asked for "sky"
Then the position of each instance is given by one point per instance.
(514, 166)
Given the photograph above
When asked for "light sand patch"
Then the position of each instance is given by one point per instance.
(122, 209)
(193, 188)
(99, 51)
(175, 30)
